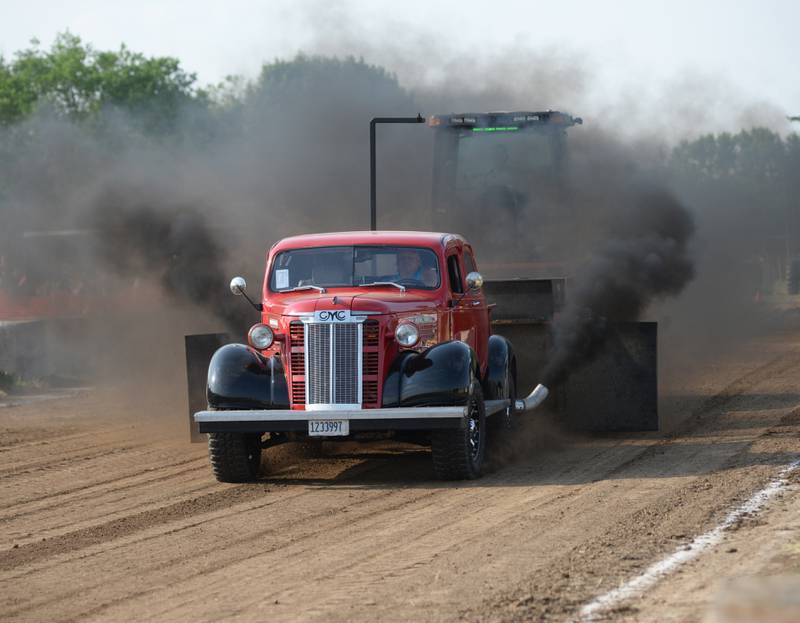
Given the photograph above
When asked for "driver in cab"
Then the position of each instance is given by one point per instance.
(409, 268)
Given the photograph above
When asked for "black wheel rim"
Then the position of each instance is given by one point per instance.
(474, 432)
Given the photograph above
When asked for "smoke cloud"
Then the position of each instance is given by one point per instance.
(172, 243)
(646, 259)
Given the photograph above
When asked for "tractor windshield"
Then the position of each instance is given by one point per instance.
(501, 167)
(348, 266)
(507, 156)
(498, 174)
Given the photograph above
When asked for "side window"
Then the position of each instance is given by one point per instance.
(454, 272)
(469, 263)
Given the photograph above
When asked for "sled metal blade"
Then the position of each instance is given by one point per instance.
(199, 349)
(618, 391)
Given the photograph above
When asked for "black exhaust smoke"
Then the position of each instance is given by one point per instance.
(645, 260)
(137, 237)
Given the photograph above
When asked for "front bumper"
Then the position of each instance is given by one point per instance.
(286, 420)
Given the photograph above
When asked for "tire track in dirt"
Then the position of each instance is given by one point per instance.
(237, 549)
(59, 524)
(740, 386)
(100, 500)
(364, 519)
(362, 532)
(125, 482)
(152, 475)
(66, 459)
(223, 498)
(130, 524)
(62, 439)
(92, 469)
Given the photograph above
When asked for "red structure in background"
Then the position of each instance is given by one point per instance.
(48, 275)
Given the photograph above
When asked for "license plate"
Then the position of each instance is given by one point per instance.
(328, 428)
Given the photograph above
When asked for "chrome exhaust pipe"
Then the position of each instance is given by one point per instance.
(534, 399)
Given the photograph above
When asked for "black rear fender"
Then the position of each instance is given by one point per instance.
(502, 367)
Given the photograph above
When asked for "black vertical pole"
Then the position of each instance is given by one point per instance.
(373, 213)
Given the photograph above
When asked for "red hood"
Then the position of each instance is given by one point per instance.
(381, 302)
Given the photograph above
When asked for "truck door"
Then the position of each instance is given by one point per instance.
(464, 313)
(475, 302)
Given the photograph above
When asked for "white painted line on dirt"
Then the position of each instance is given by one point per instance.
(599, 607)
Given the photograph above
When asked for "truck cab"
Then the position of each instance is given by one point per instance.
(362, 331)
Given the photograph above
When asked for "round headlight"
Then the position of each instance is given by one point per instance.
(407, 334)
(260, 336)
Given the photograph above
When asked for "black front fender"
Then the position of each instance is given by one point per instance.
(439, 376)
(239, 377)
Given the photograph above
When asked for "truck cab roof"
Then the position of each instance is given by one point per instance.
(395, 238)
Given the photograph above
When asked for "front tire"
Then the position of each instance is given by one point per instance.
(458, 453)
(235, 457)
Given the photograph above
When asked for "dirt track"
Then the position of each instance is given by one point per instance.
(108, 513)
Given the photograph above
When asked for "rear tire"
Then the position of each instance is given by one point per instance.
(235, 457)
(504, 429)
(458, 453)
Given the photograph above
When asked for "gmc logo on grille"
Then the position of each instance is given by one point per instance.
(332, 316)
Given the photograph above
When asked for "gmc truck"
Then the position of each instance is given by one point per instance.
(364, 331)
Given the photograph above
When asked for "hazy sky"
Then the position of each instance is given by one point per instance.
(746, 49)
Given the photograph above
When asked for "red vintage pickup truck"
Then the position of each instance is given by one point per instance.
(364, 331)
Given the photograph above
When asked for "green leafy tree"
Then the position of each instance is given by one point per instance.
(331, 80)
(77, 82)
(746, 183)
(306, 123)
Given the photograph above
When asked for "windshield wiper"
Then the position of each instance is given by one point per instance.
(382, 283)
(308, 287)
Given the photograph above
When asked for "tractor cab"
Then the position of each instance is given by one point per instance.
(497, 173)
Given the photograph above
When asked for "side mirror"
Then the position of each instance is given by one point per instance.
(238, 285)
(474, 280)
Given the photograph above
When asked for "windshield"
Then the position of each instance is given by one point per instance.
(501, 159)
(331, 267)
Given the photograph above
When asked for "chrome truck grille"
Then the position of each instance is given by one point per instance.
(333, 353)
(370, 363)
